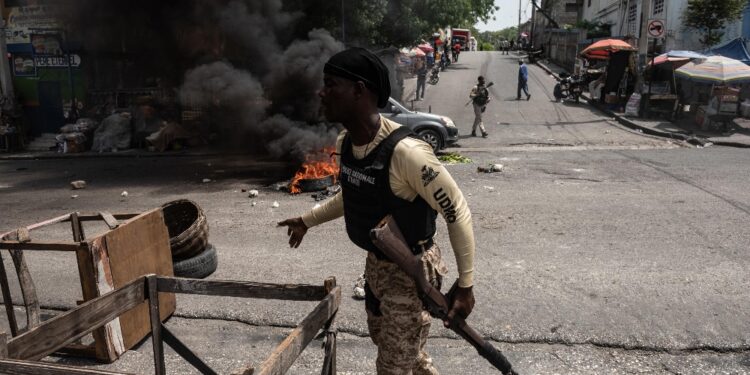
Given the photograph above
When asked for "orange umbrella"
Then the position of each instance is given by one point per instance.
(602, 48)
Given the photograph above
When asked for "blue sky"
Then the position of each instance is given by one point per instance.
(507, 15)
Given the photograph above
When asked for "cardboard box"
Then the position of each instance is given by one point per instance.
(611, 98)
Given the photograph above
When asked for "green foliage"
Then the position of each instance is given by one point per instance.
(710, 16)
(451, 158)
(486, 46)
(390, 22)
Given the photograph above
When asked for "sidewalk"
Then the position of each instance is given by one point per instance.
(682, 129)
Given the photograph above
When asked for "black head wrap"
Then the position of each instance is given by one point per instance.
(359, 64)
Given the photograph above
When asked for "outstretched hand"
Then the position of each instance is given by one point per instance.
(462, 303)
(296, 229)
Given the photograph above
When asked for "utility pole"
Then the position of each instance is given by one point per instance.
(643, 37)
(533, 23)
(6, 79)
(519, 20)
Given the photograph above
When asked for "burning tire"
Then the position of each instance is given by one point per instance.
(187, 226)
(199, 266)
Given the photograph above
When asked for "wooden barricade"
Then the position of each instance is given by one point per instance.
(134, 245)
(17, 355)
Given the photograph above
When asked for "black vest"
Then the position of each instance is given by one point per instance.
(368, 197)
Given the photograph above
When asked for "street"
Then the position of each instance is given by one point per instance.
(600, 250)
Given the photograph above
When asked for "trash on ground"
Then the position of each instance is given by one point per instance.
(275, 204)
(454, 158)
(281, 186)
(74, 196)
(327, 193)
(490, 188)
(359, 287)
(78, 184)
(205, 180)
(124, 194)
(253, 204)
(253, 193)
(490, 168)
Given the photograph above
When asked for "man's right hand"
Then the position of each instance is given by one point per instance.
(296, 229)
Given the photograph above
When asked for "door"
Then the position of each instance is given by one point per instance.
(51, 108)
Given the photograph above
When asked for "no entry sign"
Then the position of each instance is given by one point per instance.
(656, 28)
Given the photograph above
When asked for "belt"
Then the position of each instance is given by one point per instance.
(422, 246)
(418, 248)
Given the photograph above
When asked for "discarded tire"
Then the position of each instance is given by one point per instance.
(199, 266)
(187, 226)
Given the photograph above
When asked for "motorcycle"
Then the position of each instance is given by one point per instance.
(569, 87)
(434, 75)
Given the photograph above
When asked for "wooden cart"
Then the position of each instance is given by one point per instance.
(54, 334)
(134, 245)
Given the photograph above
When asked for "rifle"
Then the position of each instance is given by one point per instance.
(389, 239)
(472, 99)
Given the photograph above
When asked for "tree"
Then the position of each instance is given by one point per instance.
(382, 23)
(709, 16)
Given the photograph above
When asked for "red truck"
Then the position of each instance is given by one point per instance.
(461, 36)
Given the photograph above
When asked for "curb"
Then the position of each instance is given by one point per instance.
(646, 130)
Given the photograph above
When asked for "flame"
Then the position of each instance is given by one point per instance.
(317, 165)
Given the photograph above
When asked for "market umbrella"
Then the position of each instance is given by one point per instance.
(426, 47)
(416, 52)
(715, 69)
(602, 48)
(678, 58)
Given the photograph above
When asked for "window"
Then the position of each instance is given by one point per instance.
(658, 6)
(632, 16)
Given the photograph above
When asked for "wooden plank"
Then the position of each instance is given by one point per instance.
(136, 248)
(244, 289)
(110, 220)
(75, 223)
(7, 299)
(39, 245)
(97, 217)
(329, 345)
(14, 366)
(89, 288)
(156, 327)
(28, 290)
(286, 353)
(70, 326)
(55, 220)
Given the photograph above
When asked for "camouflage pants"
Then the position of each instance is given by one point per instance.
(400, 331)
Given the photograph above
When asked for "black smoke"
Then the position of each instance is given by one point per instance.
(235, 59)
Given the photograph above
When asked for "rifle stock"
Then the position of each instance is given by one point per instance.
(389, 239)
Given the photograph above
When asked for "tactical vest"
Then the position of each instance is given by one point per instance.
(368, 198)
(482, 95)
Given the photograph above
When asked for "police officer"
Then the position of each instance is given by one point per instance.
(480, 96)
(386, 171)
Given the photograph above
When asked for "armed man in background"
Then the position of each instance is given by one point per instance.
(480, 96)
(386, 171)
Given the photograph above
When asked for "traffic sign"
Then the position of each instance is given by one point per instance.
(656, 28)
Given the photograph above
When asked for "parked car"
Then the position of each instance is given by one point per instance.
(438, 131)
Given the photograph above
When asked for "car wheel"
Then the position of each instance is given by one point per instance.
(432, 138)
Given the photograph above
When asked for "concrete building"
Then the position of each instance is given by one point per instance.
(624, 16)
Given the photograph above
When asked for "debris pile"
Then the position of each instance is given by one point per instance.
(454, 158)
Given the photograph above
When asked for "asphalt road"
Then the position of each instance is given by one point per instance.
(600, 250)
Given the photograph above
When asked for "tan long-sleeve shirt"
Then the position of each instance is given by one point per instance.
(415, 170)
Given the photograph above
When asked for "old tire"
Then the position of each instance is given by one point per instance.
(187, 226)
(199, 266)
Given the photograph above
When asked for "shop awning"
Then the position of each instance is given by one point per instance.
(734, 49)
